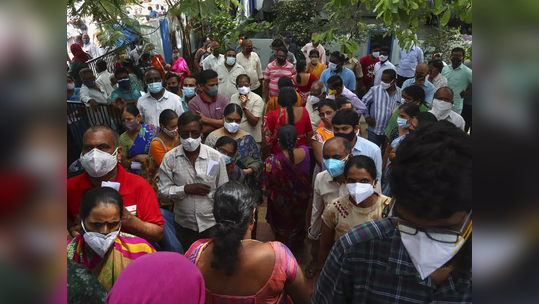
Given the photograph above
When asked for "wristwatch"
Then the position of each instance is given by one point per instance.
(245, 109)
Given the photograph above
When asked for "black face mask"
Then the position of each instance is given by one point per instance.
(350, 136)
(281, 61)
(456, 61)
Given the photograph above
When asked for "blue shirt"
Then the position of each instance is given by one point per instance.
(367, 148)
(75, 96)
(409, 61)
(119, 92)
(428, 87)
(381, 106)
(348, 78)
(153, 14)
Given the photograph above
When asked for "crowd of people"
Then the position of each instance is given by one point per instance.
(388, 215)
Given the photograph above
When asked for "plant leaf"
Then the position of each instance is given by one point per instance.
(445, 17)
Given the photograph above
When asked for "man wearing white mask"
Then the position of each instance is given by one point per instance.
(423, 251)
(100, 155)
(252, 106)
(441, 108)
(318, 92)
(382, 65)
(189, 176)
(227, 73)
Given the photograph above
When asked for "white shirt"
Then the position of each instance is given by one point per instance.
(325, 191)
(379, 68)
(313, 114)
(210, 62)
(150, 108)
(193, 212)
(256, 106)
(227, 80)
(103, 81)
(91, 49)
(98, 95)
(409, 61)
(454, 118)
(135, 56)
(439, 81)
(253, 68)
(309, 47)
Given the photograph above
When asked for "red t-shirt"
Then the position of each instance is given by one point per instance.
(367, 64)
(138, 196)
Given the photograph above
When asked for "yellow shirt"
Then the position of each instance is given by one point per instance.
(342, 215)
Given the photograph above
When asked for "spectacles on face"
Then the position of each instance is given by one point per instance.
(193, 135)
(441, 235)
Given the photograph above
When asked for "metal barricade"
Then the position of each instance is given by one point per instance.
(80, 118)
(110, 57)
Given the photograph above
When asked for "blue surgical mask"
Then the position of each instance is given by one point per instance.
(287, 40)
(332, 66)
(188, 92)
(90, 84)
(402, 122)
(227, 158)
(124, 83)
(153, 52)
(230, 60)
(213, 91)
(86, 41)
(155, 87)
(335, 167)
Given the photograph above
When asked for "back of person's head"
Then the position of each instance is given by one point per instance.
(284, 81)
(189, 117)
(361, 162)
(341, 101)
(287, 99)
(99, 195)
(411, 109)
(225, 140)
(335, 81)
(288, 136)
(166, 116)
(346, 117)
(277, 43)
(233, 211)
(328, 103)
(233, 108)
(301, 66)
(206, 75)
(416, 93)
(431, 175)
(120, 70)
(391, 72)
(101, 65)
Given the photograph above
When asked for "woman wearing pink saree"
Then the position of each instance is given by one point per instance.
(179, 66)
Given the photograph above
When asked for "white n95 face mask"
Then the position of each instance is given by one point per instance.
(360, 191)
(100, 242)
(190, 144)
(98, 163)
(383, 58)
(427, 254)
(384, 85)
(441, 109)
(314, 100)
(244, 90)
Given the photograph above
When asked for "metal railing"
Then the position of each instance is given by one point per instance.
(110, 57)
(80, 118)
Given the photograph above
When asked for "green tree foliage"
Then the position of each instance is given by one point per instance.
(403, 15)
(443, 40)
(301, 17)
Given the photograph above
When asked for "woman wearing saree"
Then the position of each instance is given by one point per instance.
(180, 68)
(100, 246)
(288, 114)
(157, 60)
(303, 81)
(136, 141)
(287, 189)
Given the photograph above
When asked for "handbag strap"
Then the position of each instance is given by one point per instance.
(161, 141)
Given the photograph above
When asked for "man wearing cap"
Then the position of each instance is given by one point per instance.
(292, 47)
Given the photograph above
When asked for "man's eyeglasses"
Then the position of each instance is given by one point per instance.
(193, 135)
(441, 235)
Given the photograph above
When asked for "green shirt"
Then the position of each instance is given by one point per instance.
(458, 80)
(74, 69)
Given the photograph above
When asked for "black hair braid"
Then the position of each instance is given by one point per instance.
(226, 244)
(291, 118)
(288, 137)
(290, 145)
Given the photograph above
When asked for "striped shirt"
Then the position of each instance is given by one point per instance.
(380, 105)
(370, 264)
(273, 73)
